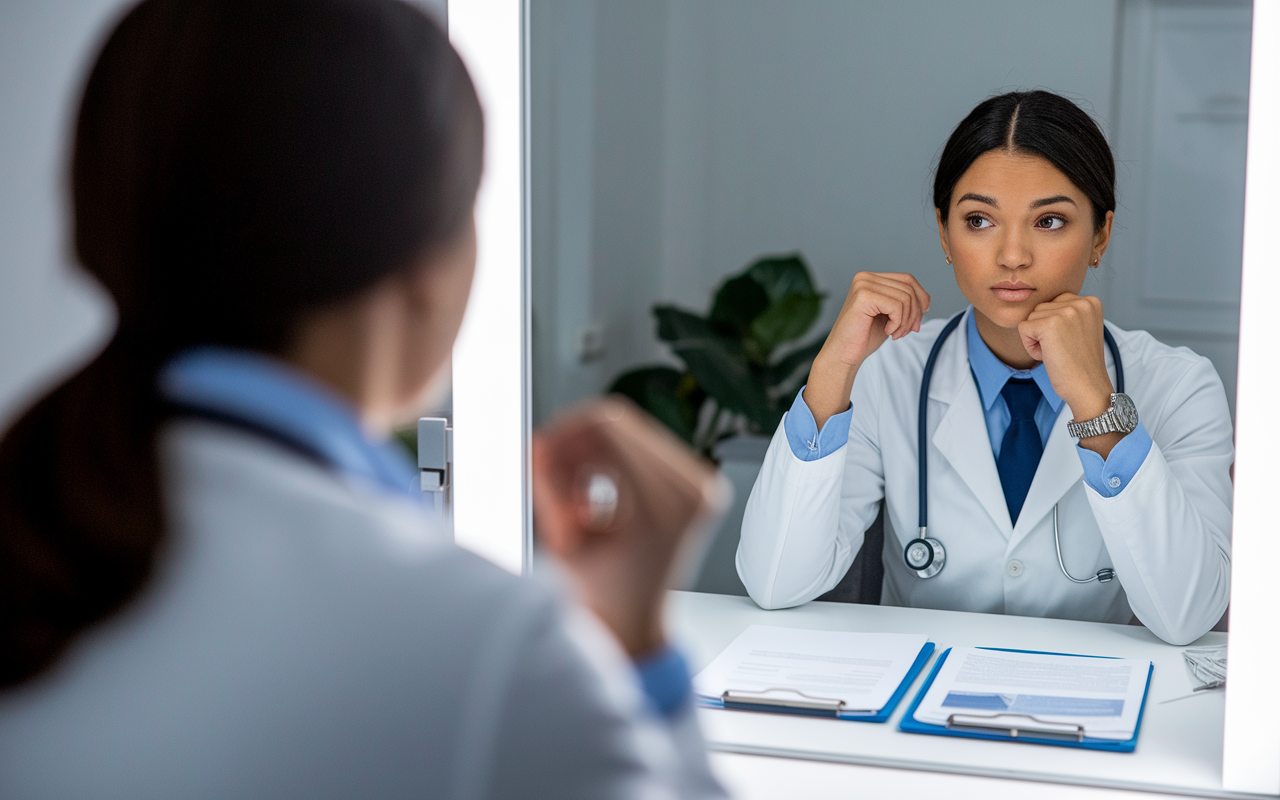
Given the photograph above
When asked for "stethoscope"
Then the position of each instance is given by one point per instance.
(925, 555)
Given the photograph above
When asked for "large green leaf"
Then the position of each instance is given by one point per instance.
(717, 361)
(723, 371)
(739, 301)
(794, 366)
(675, 324)
(782, 275)
(773, 301)
(785, 320)
(672, 396)
(768, 424)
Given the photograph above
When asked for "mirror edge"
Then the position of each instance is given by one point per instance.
(490, 385)
(1251, 740)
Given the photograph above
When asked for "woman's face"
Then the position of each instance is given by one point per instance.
(1019, 233)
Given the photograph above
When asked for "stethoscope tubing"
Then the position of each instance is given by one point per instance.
(1104, 575)
(922, 460)
(922, 442)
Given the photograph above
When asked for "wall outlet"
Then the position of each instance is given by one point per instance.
(588, 341)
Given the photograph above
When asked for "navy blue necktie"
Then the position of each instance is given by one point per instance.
(1021, 449)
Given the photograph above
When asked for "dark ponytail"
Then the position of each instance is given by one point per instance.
(236, 165)
(1039, 123)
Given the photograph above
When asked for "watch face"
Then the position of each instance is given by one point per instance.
(1126, 413)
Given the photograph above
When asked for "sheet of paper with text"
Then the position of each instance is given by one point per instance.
(975, 685)
(861, 669)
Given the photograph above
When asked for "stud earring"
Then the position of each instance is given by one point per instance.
(948, 259)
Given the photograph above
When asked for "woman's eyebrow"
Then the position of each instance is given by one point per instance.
(1048, 201)
(981, 198)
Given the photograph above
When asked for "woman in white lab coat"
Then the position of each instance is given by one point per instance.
(216, 580)
(1025, 200)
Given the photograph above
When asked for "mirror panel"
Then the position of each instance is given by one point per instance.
(674, 143)
(573, 339)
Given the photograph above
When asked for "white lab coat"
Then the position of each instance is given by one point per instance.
(307, 637)
(1166, 534)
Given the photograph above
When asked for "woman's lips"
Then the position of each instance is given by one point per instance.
(1013, 292)
(1013, 295)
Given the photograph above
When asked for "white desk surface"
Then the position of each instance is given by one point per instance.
(1179, 748)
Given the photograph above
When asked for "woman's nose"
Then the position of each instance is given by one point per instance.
(1013, 252)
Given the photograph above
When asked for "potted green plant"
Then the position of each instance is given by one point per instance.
(738, 376)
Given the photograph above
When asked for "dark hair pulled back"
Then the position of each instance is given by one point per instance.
(1039, 123)
(236, 165)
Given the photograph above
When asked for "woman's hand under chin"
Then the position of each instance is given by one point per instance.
(1066, 335)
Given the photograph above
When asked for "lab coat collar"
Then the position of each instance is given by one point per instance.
(1058, 472)
(961, 437)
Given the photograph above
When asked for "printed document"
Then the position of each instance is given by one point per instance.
(1035, 691)
(862, 669)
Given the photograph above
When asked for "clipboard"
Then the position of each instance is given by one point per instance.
(792, 701)
(1032, 731)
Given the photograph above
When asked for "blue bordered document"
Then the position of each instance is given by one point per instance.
(837, 674)
(1027, 696)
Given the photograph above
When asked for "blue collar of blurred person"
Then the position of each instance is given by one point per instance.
(268, 397)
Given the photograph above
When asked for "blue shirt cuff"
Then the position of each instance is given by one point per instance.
(1108, 478)
(807, 442)
(665, 679)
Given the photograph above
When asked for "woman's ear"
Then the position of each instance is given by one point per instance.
(942, 235)
(432, 296)
(441, 280)
(1101, 239)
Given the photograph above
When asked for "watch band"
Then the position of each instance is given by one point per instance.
(1121, 417)
(1104, 423)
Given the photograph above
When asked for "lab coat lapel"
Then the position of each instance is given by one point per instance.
(1058, 472)
(961, 436)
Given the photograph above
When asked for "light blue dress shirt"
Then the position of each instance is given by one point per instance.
(1108, 477)
(266, 393)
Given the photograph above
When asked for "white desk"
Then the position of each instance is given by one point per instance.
(1179, 748)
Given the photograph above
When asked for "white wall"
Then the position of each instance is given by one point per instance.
(51, 317)
(673, 142)
(597, 73)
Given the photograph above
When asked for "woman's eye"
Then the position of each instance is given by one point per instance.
(977, 222)
(1051, 223)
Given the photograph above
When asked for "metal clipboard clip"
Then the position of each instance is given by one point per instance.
(1007, 723)
(786, 699)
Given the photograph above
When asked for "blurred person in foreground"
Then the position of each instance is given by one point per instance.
(216, 580)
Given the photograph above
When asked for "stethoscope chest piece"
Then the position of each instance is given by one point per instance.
(925, 556)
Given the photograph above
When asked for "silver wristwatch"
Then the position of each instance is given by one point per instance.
(1122, 417)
